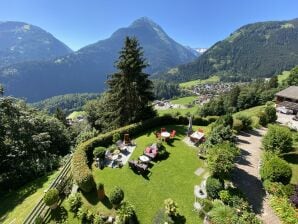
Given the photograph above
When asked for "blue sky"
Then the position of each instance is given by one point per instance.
(196, 23)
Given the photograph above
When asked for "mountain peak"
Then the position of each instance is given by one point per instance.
(145, 21)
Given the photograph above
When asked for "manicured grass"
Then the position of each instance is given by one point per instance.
(253, 113)
(190, 84)
(184, 100)
(75, 114)
(172, 177)
(16, 205)
(283, 76)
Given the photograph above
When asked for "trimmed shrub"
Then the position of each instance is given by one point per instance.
(263, 119)
(278, 189)
(75, 202)
(51, 197)
(237, 125)
(116, 196)
(116, 137)
(81, 173)
(278, 139)
(171, 207)
(99, 152)
(246, 121)
(270, 112)
(275, 169)
(225, 120)
(220, 159)
(213, 187)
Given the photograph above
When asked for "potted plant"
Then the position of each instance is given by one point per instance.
(101, 191)
(116, 197)
(51, 198)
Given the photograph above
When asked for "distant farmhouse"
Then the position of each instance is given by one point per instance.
(288, 98)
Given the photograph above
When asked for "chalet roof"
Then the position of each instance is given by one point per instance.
(290, 92)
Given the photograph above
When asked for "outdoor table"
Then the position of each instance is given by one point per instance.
(165, 134)
(197, 135)
(144, 158)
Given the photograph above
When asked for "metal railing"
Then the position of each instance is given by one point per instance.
(40, 209)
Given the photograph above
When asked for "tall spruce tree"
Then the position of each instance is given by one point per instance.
(130, 91)
(1, 90)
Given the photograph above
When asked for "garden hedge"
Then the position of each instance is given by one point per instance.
(83, 154)
(275, 169)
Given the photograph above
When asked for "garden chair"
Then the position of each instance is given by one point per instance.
(126, 140)
(173, 134)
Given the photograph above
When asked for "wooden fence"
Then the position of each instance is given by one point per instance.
(40, 209)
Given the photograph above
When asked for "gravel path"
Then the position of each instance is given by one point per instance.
(246, 175)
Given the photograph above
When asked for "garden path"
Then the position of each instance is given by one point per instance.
(246, 176)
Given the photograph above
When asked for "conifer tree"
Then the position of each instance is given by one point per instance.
(59, 114)
(1, 90)
(130, 90)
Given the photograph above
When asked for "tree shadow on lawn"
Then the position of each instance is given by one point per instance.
(91, 197)
(291, 157)
(11, 200)
(59, 215)
(179, 219)
(107, 203)
(252, 188)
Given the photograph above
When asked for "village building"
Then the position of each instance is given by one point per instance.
(288, 99)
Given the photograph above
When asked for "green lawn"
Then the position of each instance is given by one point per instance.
(253, 113)
(16, 205)
(283, 76)
(170, 178)
(182, 101)
(190, 84)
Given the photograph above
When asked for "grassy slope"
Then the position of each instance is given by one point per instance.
(16, 205)
(283, 76)
(182, 101)
(75, 114)
(251, 112)
(190, 84)
(171, 178)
